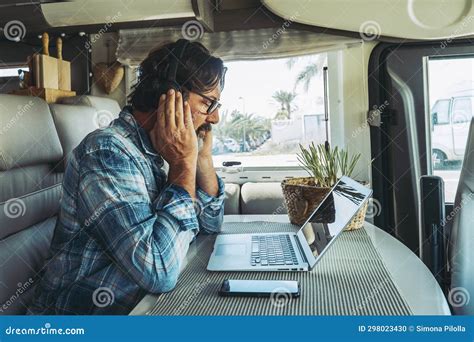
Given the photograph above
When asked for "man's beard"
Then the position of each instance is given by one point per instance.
(201, 133)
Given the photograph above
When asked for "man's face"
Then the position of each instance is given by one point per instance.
(199, 105)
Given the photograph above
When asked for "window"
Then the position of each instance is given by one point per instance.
(462, 110)
(451, 98)
(440, 112)
(269, 107)
(9, 79)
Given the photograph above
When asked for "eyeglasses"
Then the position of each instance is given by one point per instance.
(215, 104)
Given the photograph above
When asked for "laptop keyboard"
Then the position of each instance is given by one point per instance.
(270, 250)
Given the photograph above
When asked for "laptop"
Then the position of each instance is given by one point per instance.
(298, 251)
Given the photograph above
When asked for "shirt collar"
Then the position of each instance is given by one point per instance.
(145, 142)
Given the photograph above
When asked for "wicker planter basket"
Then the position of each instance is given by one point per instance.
(302, 196)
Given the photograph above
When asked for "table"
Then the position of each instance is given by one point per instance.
(412, 284)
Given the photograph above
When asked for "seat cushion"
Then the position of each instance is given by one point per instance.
(232, 199)
(28, 135)
(106, 107)
(262, 198)
(73, 123)
(22, 257)
(461, 252)
(30, 189)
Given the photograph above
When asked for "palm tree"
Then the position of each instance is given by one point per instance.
(247, 126)
(241, 127)
(310, 71)
(223, 128)
(285, 99)
(248, 123)
(281, 115)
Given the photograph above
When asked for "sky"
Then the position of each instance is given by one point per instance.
(450, 77)
(251, 84)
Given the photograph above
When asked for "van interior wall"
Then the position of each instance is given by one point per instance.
(349, 103)
(103, 51)
(74, 50)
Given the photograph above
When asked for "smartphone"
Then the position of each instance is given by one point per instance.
(259, 288)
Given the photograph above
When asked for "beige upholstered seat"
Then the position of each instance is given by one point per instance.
(34, 141)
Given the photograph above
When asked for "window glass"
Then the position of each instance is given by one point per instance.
(451, 96)
(9, 79)
(462, 110)
(269, 107)
(440, 112)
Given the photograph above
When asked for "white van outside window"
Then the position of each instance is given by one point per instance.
(451, 86)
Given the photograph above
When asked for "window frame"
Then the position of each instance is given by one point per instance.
(241, 174)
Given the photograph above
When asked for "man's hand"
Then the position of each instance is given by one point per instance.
(174, 138)
(206, 175)
(206, 149)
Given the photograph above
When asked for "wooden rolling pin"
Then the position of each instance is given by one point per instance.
(64, 68)
(48, 67)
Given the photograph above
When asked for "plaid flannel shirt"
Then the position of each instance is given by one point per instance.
(122, 230)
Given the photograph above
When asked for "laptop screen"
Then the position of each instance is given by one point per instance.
(331, 217)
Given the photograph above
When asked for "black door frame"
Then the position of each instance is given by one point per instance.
(406, 59)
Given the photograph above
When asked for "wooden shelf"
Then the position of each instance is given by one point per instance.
(48, 94)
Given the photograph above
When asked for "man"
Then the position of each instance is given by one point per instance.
(124, 226)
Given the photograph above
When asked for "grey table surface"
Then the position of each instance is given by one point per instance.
(413, 279)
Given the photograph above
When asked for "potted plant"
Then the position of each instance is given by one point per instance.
(325, 165)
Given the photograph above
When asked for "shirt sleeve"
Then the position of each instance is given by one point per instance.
(210, 209)
(148, 241)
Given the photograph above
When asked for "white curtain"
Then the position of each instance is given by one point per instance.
(134, 45)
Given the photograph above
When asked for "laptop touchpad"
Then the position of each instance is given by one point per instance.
(230, 249)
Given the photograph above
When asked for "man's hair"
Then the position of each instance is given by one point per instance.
(197, 71)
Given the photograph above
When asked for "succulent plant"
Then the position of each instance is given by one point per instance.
(327, 165)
